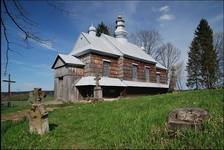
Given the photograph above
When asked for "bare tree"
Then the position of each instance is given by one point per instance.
(218, 45)
(168, 55)
(59, 6)
(149, 39)
(14, 15)
(19, 18)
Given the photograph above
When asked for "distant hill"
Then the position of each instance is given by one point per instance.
(22, 95)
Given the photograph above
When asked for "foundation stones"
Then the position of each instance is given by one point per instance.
(183, 118)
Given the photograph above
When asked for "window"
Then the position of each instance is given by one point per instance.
(134, 72)
(146, 73)
(106, 69)
(158, 78)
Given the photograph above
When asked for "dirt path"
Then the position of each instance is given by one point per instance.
(16, 116)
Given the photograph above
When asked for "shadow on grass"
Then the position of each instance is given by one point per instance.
(52, 126)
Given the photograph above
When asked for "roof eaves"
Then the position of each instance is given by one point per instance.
(139, 59)
(95, 51)
(162, 68)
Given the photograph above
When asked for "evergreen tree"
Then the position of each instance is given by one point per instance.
(208, 69)
(194, 65)
(102, 28)
(202, 59)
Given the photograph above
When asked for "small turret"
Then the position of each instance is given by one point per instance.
(120, 32)
(92, 30)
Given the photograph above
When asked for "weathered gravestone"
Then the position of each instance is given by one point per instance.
(98, 95)
(183, 118)
(38, 116)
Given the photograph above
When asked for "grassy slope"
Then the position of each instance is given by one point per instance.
(132, 123)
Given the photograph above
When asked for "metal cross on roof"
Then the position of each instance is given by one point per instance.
(9, 84)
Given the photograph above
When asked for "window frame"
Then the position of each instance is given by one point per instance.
(147, 76)
(158, 79)
(134, 75)
(106, 71)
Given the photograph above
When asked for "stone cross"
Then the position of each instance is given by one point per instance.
(97, 89)
(97, 78)
(38, 115)
(36, 96)
(9, 84)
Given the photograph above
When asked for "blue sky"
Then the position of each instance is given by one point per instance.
(175, 20)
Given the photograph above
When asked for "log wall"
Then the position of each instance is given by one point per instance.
(163, 75)
(94, 65)
(121, 68)
(65, 76)
(63, 83)
(140, 70)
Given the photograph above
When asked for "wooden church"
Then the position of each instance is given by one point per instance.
(125, 68)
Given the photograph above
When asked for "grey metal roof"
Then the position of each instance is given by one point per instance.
(106, 81)
(110, 46)
(69, 59)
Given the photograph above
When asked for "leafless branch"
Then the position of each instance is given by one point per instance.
(26, 30)
(168, 55)
(219, 48)
(53, 5)
(22, 12)
(149, 39)
(7, 46)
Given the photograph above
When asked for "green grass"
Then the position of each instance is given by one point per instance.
(15, 106)
(20, 105)
(130, 123)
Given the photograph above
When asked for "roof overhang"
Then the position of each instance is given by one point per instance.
(66, 63)
(144, 84)
(139, 59)
(106, 81)
(96, 52)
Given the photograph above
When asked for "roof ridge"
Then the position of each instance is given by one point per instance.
(112, 43)
(86, 37)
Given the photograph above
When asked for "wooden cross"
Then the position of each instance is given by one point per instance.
(9, 84)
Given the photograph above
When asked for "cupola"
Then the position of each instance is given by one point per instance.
(92, 30)
(120, 32)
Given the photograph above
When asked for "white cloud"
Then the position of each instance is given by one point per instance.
(218, 17)
(166, 17)
(164, 8)
(46, 45)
